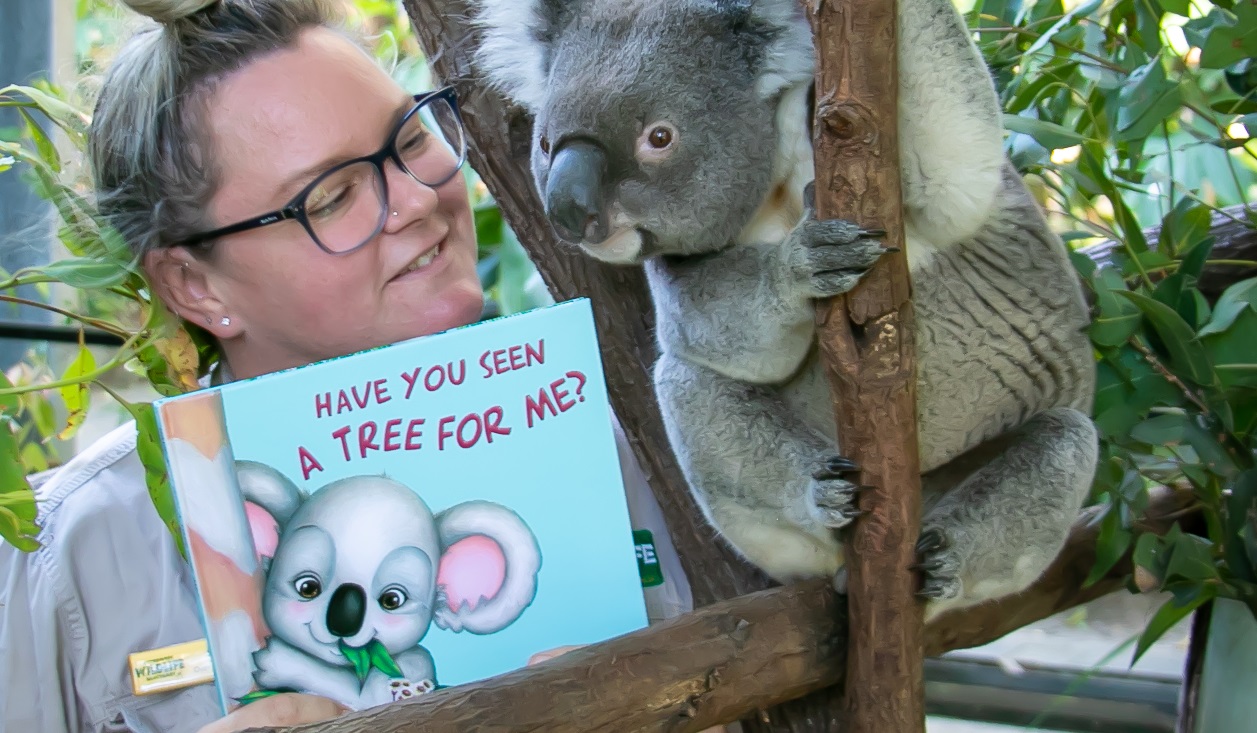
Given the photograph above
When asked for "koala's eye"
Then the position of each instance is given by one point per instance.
(545, 144)
(657, 142)
(392, 599)
(308, 586)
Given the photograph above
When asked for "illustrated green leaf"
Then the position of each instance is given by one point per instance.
(382, 660)
(1187, 355)
(359, 658)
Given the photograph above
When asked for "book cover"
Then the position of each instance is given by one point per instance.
(416, 516)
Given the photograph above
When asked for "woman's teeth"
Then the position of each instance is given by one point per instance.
(425, 259)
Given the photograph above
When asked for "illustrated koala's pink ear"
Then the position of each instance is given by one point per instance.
(472, 571)
(265, 529)
(488, 572)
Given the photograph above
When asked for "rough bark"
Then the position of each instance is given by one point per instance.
(729, 659)
(867, 340)
(500, 135)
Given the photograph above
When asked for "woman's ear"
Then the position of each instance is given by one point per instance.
(184, 284)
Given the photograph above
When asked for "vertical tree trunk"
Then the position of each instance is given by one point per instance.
(867, 339)
(499, 137)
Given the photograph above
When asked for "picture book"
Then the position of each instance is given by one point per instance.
(417, 516)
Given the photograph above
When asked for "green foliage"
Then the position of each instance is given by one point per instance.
(1126, 115)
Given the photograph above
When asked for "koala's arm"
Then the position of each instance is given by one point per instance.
(950, 131)
(731, 313)
(747, 312)
(280, 665)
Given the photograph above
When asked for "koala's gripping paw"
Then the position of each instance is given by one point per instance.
(832, 495)
(828, 257)
(939, 565)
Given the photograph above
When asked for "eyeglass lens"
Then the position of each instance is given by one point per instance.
(347, 206)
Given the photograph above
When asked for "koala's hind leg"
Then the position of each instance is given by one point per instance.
(999, 528)
(771, 486)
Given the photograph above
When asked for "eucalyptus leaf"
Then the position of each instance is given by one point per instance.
(1048, 134)
(1165, 618)
(156, 475)
(76, 396)
(1233, 301)
(83, 272)
(1187, 355)
(1111, 545)
(17, 499)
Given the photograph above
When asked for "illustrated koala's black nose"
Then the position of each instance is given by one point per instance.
(574, 192)
(346, 610)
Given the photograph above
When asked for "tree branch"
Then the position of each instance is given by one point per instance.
(867, 341)
(730, 659)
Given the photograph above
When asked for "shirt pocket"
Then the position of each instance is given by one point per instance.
(180, 711)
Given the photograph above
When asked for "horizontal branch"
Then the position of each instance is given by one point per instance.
(1234, 240)
(729, 659)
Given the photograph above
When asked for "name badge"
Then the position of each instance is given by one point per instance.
(171, 667)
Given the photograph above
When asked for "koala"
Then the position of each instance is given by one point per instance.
(676, 136)
(362, 563)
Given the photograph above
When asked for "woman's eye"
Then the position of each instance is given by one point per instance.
(392, 599)
(415, 144)
(308, 586)
(326, 203)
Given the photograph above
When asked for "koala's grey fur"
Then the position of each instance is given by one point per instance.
(735, 260)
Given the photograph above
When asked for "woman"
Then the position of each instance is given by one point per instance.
(279, 193)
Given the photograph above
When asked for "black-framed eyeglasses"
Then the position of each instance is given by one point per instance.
(346, 206)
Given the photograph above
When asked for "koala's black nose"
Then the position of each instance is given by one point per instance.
(346, 610)
(574, 192)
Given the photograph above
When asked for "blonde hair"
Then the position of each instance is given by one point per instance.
(150, 157)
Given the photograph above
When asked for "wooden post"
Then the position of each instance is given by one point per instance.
(867, 339)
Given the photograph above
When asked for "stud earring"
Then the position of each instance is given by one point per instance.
(394, 213)
(226, 321)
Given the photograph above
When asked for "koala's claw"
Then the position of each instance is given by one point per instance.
(931, 540)
(830, 256)
(938, 567)
(836, 467)
(832, 495)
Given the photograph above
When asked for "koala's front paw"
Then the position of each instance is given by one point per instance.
(828, 257)
(939, 565)
(832, 495)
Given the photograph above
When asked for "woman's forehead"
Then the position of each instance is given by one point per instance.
(298, 108)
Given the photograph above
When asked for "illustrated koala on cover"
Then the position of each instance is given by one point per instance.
(362, 565)
(675, 135)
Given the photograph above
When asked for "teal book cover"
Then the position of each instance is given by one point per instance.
(418, 516)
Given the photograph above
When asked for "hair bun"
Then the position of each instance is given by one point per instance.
(168, 11)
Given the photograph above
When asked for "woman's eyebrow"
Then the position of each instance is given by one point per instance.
(297, 180)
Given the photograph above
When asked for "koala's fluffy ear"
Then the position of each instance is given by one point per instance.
(517, 40)
(488, 570)
(784, 38)
(270, 501)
